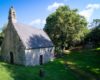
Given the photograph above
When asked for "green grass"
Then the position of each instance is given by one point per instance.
(87, 62)
(53, 71)
(78, 65)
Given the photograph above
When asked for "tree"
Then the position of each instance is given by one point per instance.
(65, 27)
(96, 22)
(1, 38)
(94, 36)
(2, 33)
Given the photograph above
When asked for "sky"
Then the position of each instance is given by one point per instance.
(35, 12)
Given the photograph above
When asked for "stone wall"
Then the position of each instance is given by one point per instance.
(32, 56)
(12, 43)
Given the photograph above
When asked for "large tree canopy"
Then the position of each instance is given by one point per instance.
(65, 26)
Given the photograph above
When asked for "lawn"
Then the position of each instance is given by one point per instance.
(77, 65)
(85, 63)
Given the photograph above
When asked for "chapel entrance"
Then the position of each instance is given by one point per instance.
(41, 59)
(11, 58)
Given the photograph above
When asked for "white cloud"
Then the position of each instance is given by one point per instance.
(38, 23)
(93, 6)
(89, 10)
(87, 13)
(54, 6)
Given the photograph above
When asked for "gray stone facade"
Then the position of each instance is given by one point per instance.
(17, 48)
(12, 43)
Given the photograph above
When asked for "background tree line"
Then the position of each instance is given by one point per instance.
(94, 35)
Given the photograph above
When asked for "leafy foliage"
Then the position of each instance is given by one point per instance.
(96, 22)
(94, 35)
(2, 34)
(65, 27)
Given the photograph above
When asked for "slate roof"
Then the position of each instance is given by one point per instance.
(32, 37)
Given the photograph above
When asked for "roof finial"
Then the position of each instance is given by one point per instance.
(12, 15)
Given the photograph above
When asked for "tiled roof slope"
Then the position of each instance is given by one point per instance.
(32, 37)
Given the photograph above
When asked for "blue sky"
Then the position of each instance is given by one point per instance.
(34, 12)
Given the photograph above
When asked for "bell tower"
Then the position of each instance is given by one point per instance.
(12, 15)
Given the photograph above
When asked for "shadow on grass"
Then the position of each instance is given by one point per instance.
(84, 62)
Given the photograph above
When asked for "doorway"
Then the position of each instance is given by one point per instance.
(11, 58)
(41, 59)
